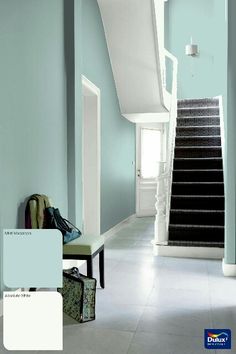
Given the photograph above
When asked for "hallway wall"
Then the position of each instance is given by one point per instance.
(205, 75)
(33, 141)
(42, 59)
(118, 135)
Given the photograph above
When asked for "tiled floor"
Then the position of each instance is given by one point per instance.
(153, 305)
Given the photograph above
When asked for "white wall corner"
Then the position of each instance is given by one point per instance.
(1, 307)
(229, 270)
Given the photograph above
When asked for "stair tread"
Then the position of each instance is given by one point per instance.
(209, 244)
(195, 183)
(203, 99)
(210, 116)
(197, 126)
(198, 107)
(197, 211)
(196, 196)
(201, 170)
(198, 147)
(198, 158)
(188, 226)
(197, 136)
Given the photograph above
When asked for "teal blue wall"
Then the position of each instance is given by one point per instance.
(205, 75)
(230, 178)
(118, 135)
(33, 117)
(45, 47)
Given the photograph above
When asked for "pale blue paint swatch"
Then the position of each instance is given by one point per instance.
(32, 258)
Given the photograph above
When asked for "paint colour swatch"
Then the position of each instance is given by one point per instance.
(32, 258)
(32, 321)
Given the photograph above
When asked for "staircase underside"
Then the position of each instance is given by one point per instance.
(133, 41)
(197, 199)
(162, 117)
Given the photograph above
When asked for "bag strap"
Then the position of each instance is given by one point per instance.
(60, 220)
(76, 228)
(73, 272)
(64, 222)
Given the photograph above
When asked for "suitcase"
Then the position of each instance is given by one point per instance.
(79, 294)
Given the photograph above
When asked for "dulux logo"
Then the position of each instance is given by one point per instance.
(217, 339)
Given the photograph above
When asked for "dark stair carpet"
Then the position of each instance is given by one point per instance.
(198, 121)
(198, 151)
(197, 200)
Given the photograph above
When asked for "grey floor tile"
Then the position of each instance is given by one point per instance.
(214, 267)
(222, 287)
(144, 259)
(182, 279)
(84, 340)
(174, 321)
(129, 234)
(224, 317)
(179, 299)
(143, 243)
(138, 268)
(117, 317)
(124, 289)
(115, 254)
(120, 243)
(152, 343)
(187, 265)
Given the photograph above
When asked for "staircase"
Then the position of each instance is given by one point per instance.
(197, 197)
(134, 31)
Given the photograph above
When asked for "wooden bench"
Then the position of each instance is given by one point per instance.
(86, 247)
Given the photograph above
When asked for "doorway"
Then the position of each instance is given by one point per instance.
(91, 164)
(149, 151)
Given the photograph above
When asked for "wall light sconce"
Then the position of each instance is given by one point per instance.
(191, 49)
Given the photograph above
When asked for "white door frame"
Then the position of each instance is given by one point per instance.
(91, 196)
(149, 185)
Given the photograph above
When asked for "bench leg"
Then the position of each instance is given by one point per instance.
(90, 267)
(101, 269)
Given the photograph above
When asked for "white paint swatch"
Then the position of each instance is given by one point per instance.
(32, 320)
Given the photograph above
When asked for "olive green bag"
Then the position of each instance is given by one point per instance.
(79, 293)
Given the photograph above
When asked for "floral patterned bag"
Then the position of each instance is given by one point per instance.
(79, 292)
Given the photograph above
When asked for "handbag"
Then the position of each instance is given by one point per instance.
(79, 293)
(54, 220)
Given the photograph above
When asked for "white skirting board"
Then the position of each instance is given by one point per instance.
(189, 252)
(229, 270)
(119, 226)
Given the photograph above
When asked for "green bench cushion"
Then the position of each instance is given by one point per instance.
(84, 245)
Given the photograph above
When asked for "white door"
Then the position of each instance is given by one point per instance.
(91, 158)
(149, 151)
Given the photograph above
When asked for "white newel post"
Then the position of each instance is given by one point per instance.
(161, 206)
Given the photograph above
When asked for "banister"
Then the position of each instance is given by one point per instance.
(164, 180)
(172, 132)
